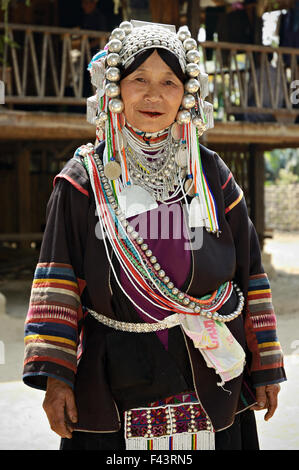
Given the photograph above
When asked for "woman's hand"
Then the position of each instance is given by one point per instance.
(266, 397)
(60, 407)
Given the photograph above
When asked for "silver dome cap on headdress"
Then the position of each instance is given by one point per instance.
(125, 42)
(146, 36)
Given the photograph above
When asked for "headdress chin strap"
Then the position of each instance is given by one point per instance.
(195, 116)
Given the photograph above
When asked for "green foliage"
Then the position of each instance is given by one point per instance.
(4, 38)
(282, 166)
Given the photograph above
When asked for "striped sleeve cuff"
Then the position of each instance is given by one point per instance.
(51, 326)
(260, 327)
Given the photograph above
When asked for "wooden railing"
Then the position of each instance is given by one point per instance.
(252, 80)
(47, 65)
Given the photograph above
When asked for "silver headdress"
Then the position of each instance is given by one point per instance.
(128, 40)
(194, 117)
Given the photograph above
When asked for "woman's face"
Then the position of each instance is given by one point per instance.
(152, 95)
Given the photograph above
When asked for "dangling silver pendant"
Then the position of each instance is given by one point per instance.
(176, 131)
(134, 200)
(112, 170)
(181, 157)
(189, 187)
(196, 218)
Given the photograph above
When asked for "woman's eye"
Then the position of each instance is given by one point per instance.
(169, 82)
(140, 79)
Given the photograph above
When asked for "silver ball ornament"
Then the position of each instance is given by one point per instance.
(188, 101)
(190, 44)
(126, 26)
(193, 56)
(114, 45)
(192, 85)
(118, 33)
(113, 74)
(116, 106)
(113, 59)
(192, 69)
(103, 116)
(199, 124)
(183, 117)
(112, 90)
(183, 34)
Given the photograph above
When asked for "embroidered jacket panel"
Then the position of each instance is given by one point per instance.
(73, 271)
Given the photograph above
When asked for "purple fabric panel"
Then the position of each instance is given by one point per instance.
(163, 229)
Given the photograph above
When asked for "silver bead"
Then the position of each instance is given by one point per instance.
(186, 301)
(118, 33)
(112, 90)
(166, 279)
(183, 34)
(192, 69)
(193, 56)
(139, 240)
(161, 273)
(144, 246)
(192, 85)
(175, 291)
(130, 228)
(153, 259)
(148, 253)
(170, 285)
(103, 116)
(134, 235)
(183, 117)
(113, 74)
(190, 44)
(180, 295)
(157, 266)
(198, 122)
(116, 105)
(113, 59)
(192, 305)
(188, 101)
(197, 309)
(126, 26)
(114, 45)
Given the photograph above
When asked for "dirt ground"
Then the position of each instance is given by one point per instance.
(24, 425)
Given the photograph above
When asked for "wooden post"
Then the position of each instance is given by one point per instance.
(23, 192)
(256, 190)
(194, 15)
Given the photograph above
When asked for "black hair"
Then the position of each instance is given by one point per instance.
(168, 57)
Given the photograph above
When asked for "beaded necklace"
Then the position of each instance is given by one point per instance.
(141, 265)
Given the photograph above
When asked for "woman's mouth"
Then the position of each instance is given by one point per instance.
(151, 114)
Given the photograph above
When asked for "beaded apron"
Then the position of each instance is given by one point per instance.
(177, 423)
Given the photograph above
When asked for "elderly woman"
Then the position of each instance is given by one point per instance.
(150, 323)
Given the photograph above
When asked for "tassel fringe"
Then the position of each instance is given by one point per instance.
(202, 440)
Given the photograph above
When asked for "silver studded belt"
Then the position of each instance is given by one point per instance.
(169, 322)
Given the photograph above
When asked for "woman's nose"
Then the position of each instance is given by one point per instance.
(153, 94)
